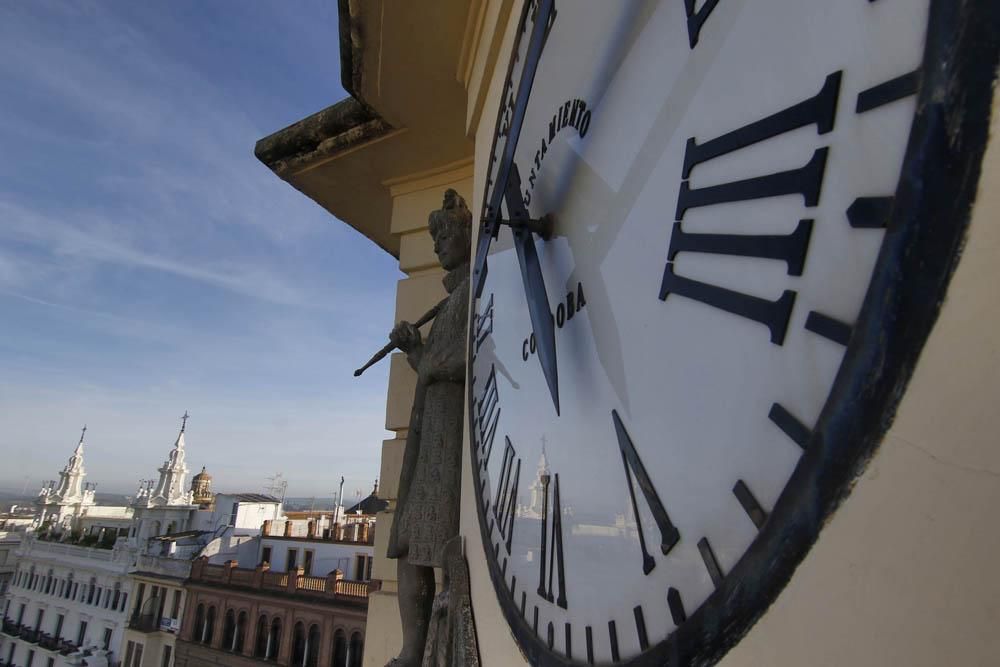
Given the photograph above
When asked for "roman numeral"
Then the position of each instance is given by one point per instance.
(669, 535)
(484, 324)
(772, 314)
(696, 19)
(487, 417)
(506, 498)
(788, 248)
(552, 558)
(819, 110)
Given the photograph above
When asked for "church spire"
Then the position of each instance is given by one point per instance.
(79, 446)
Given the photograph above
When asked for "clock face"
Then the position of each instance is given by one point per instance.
(672, 383)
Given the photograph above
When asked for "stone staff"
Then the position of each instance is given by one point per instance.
(389, 347)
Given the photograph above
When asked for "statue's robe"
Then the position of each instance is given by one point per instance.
(427, 510)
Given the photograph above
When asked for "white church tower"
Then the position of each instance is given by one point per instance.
(62, 501)
(165, 506)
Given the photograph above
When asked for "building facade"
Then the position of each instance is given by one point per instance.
(255, 615)
(67, 603)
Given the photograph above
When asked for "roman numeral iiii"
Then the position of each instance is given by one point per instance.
(807, 181)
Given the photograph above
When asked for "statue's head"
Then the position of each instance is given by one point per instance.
(451, 228)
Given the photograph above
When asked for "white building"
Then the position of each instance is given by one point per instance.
(9, 544)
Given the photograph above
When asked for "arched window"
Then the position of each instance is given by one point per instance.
(199, 624)
(356, 650)
(299, 645)
(241, 632)
(312, 646)
(339, 649)
(229, 631)
(274, 639)
(209, 625)
(260, 649)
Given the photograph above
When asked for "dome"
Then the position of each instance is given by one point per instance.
(201, 476)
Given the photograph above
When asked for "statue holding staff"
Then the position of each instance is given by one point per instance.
(427, 511)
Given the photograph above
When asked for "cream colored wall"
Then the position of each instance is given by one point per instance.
(413, 198)
(904, 572)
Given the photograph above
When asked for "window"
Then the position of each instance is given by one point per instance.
(199, 623)
(90, 590)
(106, 643)
(229, 631)
(265, 556)
(167, 651)
(38, 619)
(368, 568)
(293, 559)
(81, 633)
(308, 565)
(31, 659)
(359, 566)
(232, 517)
(209, 625)
(274, 639)
(299, 645)
(10, 653)
(260, 649)
(118, 596)
(175, 606)
(138, 600)
(312, 646)
(241, 632)
(124, 602)
(356, 650)
(59, 625)
(138, 656)
(339, 649)
(20, 614)
(129, 650)
(51, 662)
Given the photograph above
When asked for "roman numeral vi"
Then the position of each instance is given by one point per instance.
(669, 535)
(552, 558)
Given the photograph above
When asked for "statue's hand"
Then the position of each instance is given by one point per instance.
(406, 337)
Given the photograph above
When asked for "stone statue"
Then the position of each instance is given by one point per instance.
(427, 512)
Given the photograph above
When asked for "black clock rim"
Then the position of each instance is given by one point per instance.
(920, 252)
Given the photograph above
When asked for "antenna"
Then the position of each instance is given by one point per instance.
(278, 485)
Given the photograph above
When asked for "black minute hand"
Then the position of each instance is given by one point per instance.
(534, 285)
(491, 225)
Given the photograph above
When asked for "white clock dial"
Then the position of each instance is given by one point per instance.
(720, 176)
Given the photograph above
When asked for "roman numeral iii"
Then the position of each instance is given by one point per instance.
(807, 181)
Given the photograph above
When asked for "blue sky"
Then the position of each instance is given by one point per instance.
(149, 264)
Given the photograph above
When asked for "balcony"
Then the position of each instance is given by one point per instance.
(10, 628)
(333, 586)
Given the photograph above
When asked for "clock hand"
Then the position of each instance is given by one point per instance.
(534, 285)
(492, 222)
